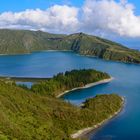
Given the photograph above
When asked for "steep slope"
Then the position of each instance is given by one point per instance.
(22, 41)
(102, 48)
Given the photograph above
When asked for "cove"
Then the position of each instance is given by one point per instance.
(126, 125)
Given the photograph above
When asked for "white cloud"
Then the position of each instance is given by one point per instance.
(56, 18)
(96, 16)
(108, 16)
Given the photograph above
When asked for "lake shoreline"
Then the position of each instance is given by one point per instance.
(28, 53)
(84, 133)
(86, 86)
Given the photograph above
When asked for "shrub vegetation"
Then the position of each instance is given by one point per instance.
(25, 115)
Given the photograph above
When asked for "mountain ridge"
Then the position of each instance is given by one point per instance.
(26, 41)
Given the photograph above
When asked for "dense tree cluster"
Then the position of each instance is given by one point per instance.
(68, 80)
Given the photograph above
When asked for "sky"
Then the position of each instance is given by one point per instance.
(20, 5)
(117, 20)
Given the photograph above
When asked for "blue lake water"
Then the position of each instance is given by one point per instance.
(27, 84)
(126, 126)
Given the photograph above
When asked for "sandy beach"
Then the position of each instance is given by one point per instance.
(87, 86)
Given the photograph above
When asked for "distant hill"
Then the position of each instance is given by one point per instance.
(23, 41)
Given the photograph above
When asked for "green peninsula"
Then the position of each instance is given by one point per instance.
(68, 81)
(36, 114)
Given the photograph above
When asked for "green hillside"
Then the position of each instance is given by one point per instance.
(27, 115)
(94, 46)
(23, 41)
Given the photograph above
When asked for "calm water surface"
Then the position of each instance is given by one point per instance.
(126, 126)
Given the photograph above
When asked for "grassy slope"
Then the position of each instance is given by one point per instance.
(20, 41)
(28, 116)
(23, 41)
